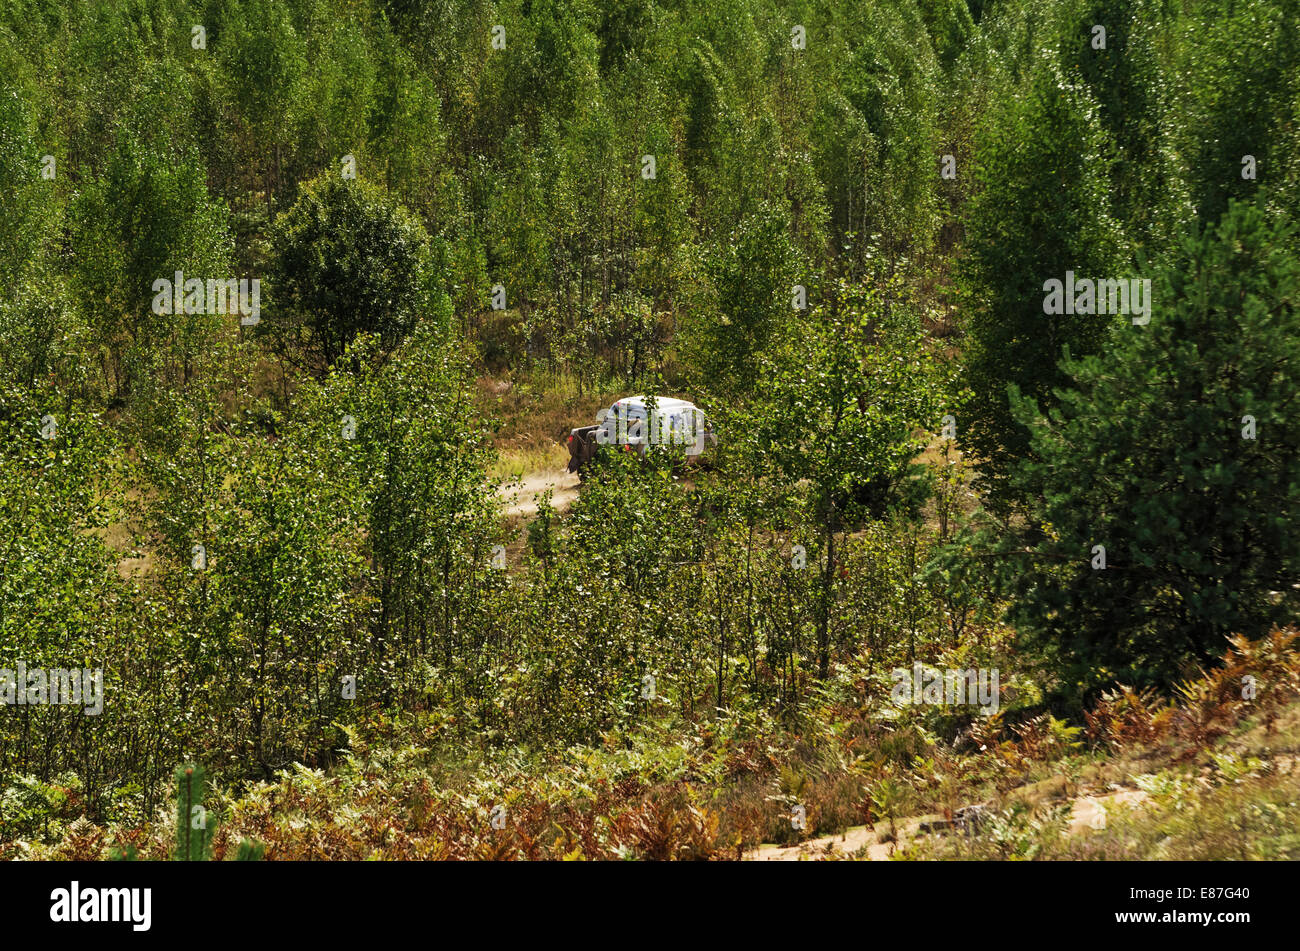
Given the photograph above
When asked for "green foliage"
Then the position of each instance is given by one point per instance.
(1240, 64)
(250, 851)
(1044, 208)
(1150, 455)
(1127, 81)
(754, 276)
(194, 828)
(27, 197)
(950, 25)
(279, 545)
(846, 401)
(147, 216)
(348, 261)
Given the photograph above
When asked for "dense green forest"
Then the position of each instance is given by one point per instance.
(994, 306)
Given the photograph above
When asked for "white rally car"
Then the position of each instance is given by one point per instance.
(637, 423)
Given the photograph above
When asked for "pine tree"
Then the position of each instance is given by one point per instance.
(1175, 452)
(1043, 209)
(194, 830)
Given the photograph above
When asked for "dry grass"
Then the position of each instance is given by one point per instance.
(518, 463)
(535, 414)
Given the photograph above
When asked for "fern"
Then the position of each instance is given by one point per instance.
(195, 830)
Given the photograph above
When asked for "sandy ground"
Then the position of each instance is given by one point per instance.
(521, 499)
(1088, 811)
(844, 845)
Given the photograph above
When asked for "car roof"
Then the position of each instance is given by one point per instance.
(665, 404)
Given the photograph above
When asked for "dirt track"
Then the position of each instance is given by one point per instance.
(1086, 814)
(521, 499)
